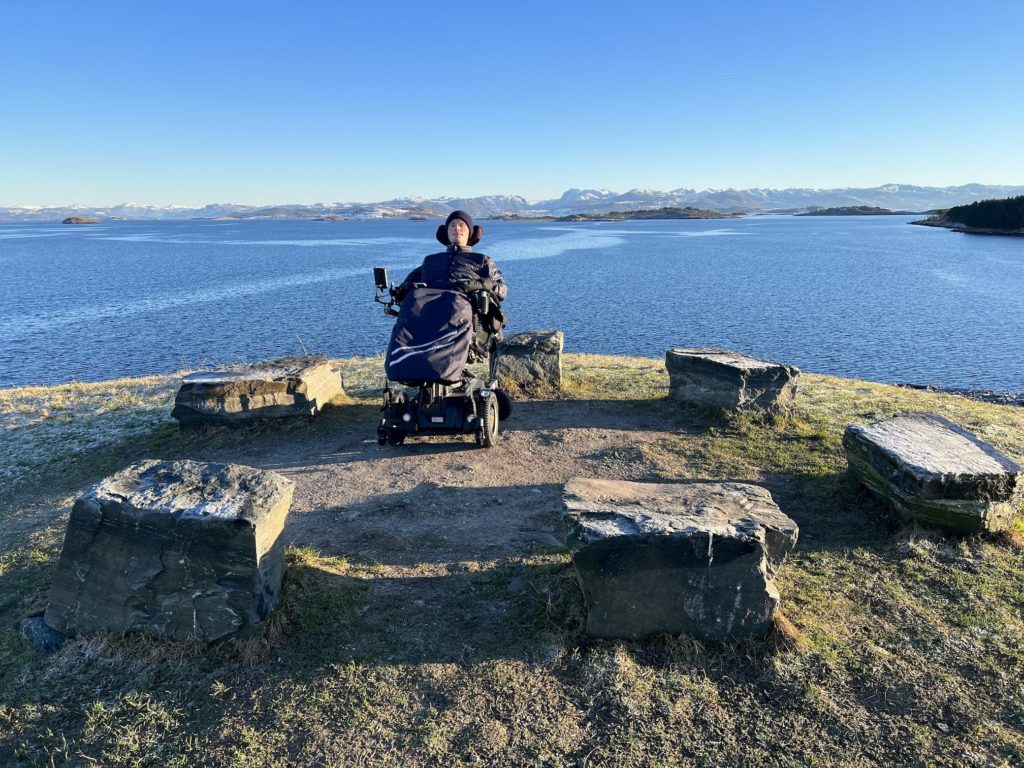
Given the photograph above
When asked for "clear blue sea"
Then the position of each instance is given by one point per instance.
(866, 297)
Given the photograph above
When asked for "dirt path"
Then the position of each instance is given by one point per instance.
(442, 499)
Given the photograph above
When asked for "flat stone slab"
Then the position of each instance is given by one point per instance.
(934, 472)
(695, 557)
(174, 548)
(530, 359)
(719, 378)
(273, 389)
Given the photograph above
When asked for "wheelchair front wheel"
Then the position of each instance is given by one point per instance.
(487, 435)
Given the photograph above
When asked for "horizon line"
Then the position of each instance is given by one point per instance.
(530, 201)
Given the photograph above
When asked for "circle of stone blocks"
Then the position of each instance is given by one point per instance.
(530, 361)
(695, 557)
(936, 473)
(173, 548)
(730, 381)
(273, 389)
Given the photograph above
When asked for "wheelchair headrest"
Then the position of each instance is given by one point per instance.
(474, 237)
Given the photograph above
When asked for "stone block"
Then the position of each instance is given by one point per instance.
(718, 378)
(290, 386)
(530, 361)
(174, 548)
(936, 473)
(694, 557)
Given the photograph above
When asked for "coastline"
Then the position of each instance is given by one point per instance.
(953, 226)
(1014, 399)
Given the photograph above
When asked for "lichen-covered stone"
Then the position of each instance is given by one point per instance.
(530, 360)
(690, 557)
(290, 386)
(935, 472)
(718, 378)
(174, 548)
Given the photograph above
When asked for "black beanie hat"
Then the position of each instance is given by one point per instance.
(460, 215)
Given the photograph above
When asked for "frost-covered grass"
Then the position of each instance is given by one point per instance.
(44, 431)
(44, 428)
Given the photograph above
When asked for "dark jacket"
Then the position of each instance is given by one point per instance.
(458, 268)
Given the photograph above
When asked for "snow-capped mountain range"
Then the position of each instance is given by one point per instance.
(904, 197)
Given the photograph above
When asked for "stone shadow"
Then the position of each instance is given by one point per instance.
(833, 510)
(513, 610)
(435, 523)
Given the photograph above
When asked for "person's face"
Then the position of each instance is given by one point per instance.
(458, 232)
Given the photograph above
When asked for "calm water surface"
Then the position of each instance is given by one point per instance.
(867, 297)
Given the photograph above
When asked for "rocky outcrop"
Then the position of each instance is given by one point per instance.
(290, 386)
(173, 548)
(720, 379)
(79, 220)
(530, 361)
(936, 473)
(691, 557)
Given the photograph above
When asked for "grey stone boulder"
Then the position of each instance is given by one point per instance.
(42, 637)
(695, 557)
(721, 379)
(530, 361)
(936, 473)
(235, 396)
(173, 548)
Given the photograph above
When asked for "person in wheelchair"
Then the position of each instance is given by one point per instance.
(460, 268)
(449, 316)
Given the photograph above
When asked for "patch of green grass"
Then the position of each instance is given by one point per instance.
(363, 377)
(607, 377)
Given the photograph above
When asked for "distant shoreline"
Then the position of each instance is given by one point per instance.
(936, 221)
(646, 214)
(1015, 399)
(985, 217)
(856, 210)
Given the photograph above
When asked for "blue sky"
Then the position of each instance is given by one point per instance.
(193, 103)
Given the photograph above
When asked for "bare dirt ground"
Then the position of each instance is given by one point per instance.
(439, 506)
(466, 503)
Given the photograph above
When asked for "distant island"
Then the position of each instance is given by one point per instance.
(520, 217)
(79, 220)
(651, 213)
(985, 217)
(853, 210)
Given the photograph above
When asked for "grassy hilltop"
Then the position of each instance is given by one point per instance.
(422, 645)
